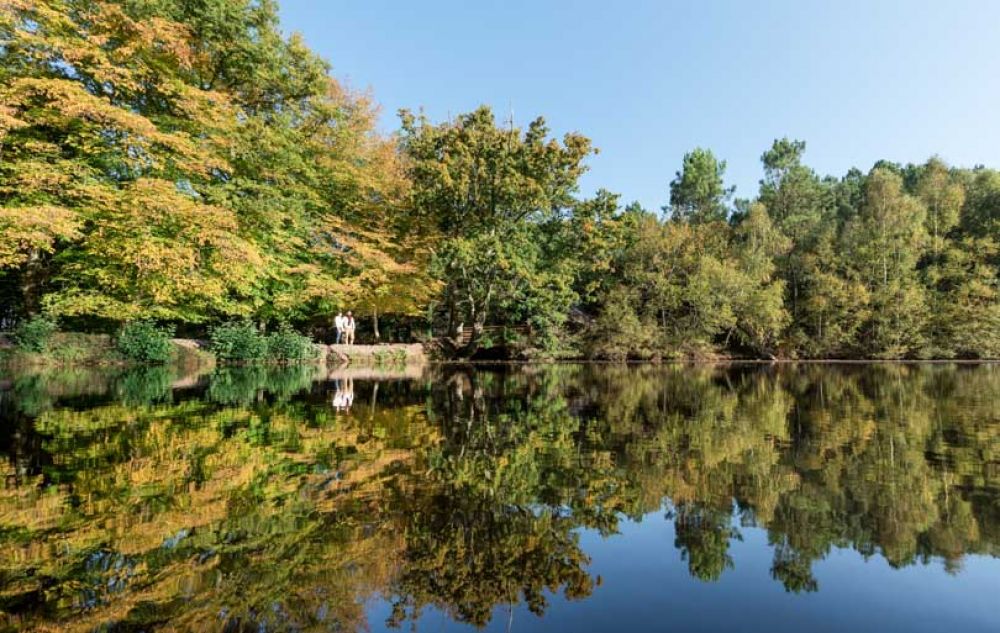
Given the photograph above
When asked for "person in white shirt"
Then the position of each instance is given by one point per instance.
(349, 328)
(338, 323)
(343, 396)
(348, 394)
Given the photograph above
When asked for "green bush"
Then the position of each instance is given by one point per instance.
(288, 345)
(145, 342)
(238, 341)
(242, 342)
(34, 334)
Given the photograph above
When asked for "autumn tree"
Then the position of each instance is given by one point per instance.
(188, 162)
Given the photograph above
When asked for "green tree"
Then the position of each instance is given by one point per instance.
(885, 242)
(943, 197)
(798, 202)
(486, 191)
(761, 314)
(698, 193)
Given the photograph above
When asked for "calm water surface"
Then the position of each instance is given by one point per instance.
(562, 498)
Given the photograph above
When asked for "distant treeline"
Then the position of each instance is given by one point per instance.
(185, 162)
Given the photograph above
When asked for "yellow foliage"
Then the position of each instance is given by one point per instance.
(25, 230)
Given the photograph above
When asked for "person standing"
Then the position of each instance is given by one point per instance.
(338, 395)
(338, 323)
(349, 327)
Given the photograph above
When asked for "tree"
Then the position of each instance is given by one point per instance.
(698, 192)
(99, 141)
(886, 241)
(486, 190)
(798, 203)
(188, 162)
(965, 286)
(597, 233)
(943, 197)
(761, 314)
(981, 211)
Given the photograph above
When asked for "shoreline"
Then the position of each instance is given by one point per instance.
(733, 361)
(371, 364)
(94, 350)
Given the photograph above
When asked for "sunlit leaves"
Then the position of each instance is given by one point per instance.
(196, 164)
(27, 230)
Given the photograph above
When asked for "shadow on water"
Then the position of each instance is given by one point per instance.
(285, 498)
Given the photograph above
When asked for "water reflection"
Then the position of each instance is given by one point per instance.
(283, 498)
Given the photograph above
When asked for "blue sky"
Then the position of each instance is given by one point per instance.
(648, 81)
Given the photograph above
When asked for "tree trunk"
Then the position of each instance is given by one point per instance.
(452, 310)
(32, 279)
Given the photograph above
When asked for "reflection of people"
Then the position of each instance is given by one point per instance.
(338, 323)
(349, 327)
(343, 395)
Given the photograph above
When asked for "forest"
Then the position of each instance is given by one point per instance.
(186, 163)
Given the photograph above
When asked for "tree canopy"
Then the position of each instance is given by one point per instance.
(187, 162)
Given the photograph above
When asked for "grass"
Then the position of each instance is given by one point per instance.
(389, 357)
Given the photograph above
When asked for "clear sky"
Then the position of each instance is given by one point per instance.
(648, 81)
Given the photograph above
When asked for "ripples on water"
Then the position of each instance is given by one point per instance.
(596, 497)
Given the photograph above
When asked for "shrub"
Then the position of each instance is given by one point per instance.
(239, 341)
(80, 348)
(34, 334)
(288, 345)
(145, 342)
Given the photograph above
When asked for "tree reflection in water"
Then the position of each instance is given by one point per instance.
(242, 501)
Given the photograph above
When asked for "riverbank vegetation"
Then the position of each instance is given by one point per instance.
(187, 164)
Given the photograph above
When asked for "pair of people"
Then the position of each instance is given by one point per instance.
(343, 395)
(345, 328)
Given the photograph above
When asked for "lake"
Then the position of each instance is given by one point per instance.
(510, 498)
